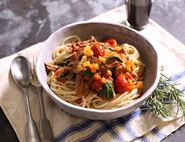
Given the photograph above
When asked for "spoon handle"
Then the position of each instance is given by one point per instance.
(32, 134)
(44, 123)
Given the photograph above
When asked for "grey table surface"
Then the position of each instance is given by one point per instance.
(26, 22)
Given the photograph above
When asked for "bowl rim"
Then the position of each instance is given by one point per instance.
(72, 106)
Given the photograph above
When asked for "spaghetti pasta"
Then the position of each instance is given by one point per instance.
(94, 74)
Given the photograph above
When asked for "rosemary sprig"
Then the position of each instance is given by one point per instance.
(165, 93)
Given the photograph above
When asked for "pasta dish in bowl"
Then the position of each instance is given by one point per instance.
(98, 70)
(94, 74)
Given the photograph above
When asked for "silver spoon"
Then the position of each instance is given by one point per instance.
(20, 71)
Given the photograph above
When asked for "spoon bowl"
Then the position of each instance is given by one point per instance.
(21, 71)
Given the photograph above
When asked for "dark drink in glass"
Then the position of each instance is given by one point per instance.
(138, 12)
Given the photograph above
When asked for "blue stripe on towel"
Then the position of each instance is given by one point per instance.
(113, 132)
(106, 127)
(74, 128)
(94, 135)
(127, 127)
(130, 131)
(159, 134)
(137, 113)
(183, 88)
(112, 124)
(177, 76)
(87, 123)
(144, 139)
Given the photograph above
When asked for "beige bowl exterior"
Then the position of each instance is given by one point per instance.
(101, 31)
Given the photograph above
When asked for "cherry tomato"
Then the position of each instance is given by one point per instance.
(98, 50)
(128, 76)
(112, 42)
(121, 84)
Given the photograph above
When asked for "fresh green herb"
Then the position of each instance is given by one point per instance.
(111, 49)
(115, 58)
(107, 90)
(165, 93)
(88, 72)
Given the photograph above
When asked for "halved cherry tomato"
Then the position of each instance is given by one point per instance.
(121, 84)
(112, 42)
(98, 50)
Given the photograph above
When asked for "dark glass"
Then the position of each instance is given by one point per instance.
(138, 12)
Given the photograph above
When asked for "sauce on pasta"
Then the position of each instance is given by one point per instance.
(96, 74)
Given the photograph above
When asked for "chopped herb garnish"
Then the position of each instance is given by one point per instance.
(111, 49)
(88, 72)
(107, 90)
(115, 58)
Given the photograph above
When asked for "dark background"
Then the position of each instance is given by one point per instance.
(26, 22)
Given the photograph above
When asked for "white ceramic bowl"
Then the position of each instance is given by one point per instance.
(101, 31)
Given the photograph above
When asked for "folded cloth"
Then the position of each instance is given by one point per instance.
(138, 126)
